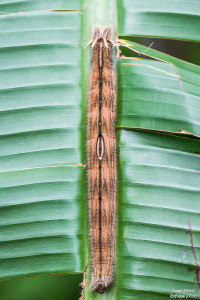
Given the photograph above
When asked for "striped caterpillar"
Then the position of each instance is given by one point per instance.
(102, 163)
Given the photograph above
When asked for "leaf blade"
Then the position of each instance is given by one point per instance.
(160, 96)
(41, 177)
(161, 19)
(154, 208)
(32, 5)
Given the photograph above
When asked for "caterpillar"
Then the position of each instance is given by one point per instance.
(102, 160)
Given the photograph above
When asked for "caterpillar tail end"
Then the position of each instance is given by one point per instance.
(99, 284)
(100, 288)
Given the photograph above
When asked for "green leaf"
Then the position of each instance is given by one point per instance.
(158, 174)
(160, 18)
(41, 171)
(158, 95)
(36, 5)
(158, 195)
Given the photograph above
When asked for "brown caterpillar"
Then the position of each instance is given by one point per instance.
(102, 163)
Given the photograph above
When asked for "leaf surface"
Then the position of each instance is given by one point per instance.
(160, 95)
(158, 196)
(41, 170)
(160, 18)
(8, 6)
